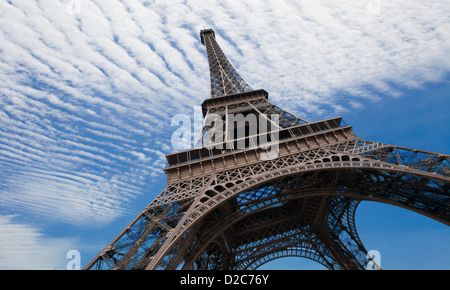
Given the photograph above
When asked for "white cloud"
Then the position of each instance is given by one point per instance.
(66, 197)
(25, 247)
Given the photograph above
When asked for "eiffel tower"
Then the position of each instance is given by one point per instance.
(234, 202)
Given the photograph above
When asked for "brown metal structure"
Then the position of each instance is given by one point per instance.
(231, 207)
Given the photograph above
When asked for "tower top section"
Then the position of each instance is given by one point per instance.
(204, 32)
(225, 80)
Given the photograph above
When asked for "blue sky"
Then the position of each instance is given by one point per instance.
(88, 89)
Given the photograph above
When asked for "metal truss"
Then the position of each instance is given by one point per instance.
(236, 209)
(317, 190)
(257, 107)
(225, 80)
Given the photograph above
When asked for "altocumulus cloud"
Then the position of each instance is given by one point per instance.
(88, 87)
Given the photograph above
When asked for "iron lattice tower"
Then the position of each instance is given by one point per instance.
(228, 207)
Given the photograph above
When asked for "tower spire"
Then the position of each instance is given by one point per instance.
(225, 80)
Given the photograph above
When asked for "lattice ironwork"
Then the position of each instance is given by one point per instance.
(225, 80)
(234, 208)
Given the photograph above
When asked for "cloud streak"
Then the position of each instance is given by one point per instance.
(26, 247)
